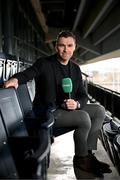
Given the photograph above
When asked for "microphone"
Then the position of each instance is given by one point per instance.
(67, 86)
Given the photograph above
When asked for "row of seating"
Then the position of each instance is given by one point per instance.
(23, 154)
(9, 65)
(110, 137)
(108, 98)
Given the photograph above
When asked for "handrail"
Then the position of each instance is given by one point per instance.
(86, 75)
(106, 89)
(108, 98)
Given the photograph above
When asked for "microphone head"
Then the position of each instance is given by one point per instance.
(67, 85)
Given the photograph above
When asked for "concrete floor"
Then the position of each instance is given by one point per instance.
(61, 165)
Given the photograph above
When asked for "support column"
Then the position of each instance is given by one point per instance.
(8, 27)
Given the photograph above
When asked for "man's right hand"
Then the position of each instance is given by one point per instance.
(13, 82)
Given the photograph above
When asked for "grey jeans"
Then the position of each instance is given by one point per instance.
(87, 124)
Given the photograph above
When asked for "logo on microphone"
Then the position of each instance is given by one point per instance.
(67, 86)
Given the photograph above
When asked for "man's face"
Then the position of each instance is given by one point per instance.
(65, 48)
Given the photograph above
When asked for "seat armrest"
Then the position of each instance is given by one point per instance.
(32, 121)
(49, 122)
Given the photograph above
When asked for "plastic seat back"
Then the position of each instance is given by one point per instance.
(7, 165)
(12, 113)
(25, 99)
(29, 151)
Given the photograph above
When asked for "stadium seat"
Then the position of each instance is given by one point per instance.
(30, 152)
(110, 130)
(7, 165)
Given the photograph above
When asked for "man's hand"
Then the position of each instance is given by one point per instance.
(70, 104)
(13, 82)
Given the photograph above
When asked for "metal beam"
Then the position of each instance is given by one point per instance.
(95, 16)
(41, 18)
(79, 14)
(108, 27)
(85, 44)
(110, 55)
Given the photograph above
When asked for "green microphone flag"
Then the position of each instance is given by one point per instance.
(67, 86)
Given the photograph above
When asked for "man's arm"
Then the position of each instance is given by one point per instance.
(24, 76)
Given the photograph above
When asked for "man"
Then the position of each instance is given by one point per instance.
(86, 119)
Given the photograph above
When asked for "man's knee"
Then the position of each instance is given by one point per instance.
(100, 110)
(83, 119)
(95, 109)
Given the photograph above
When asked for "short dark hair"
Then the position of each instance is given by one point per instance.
(66, 33)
